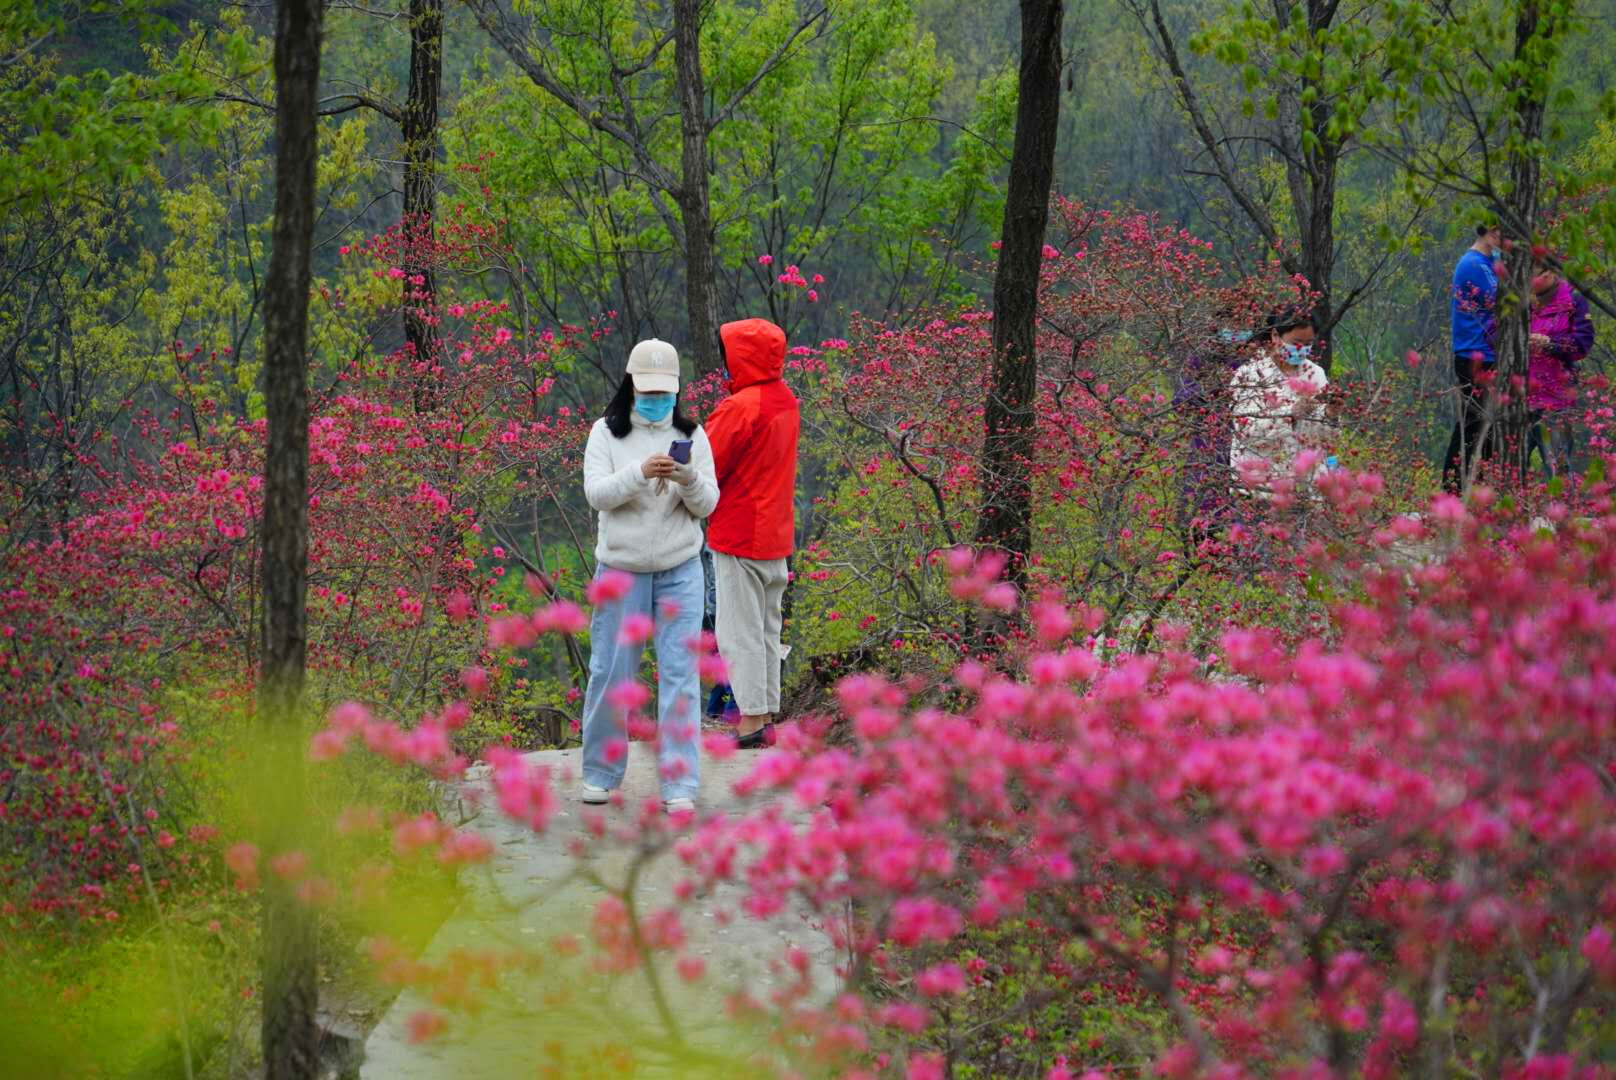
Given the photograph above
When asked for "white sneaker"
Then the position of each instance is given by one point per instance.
(596, 795)
(678, 806)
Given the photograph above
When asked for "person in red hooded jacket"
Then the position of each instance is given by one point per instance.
(753, 433)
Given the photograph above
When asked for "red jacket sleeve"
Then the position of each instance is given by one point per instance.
(728, 430)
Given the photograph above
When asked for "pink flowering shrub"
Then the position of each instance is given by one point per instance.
(1130, 309)
(1386, 850)
(144, 601)
(1367, 855)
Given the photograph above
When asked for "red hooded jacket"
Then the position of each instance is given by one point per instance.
(754, 437)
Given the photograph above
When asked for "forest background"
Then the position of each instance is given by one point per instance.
(855, 157)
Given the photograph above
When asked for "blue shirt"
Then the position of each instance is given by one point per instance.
(1475, 289)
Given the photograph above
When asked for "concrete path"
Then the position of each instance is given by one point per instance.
(563, 1018)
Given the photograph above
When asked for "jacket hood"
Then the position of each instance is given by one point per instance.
(754, 352)
(1560, 301)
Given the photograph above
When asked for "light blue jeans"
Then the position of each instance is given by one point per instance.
(678, 683)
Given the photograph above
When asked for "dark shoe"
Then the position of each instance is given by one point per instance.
(719, 701)
(757, 740)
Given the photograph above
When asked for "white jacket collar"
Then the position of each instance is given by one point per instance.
(641, 422)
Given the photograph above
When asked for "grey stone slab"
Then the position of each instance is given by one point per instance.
(565, 1015)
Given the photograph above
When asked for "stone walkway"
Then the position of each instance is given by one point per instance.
(564, 1016)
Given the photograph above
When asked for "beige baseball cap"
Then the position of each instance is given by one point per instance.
(654, 364)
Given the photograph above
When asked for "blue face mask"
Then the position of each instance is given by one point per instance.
(1295, 354)
(654, 407)
(1234, 337)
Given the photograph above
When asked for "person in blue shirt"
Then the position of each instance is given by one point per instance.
(1470, 305)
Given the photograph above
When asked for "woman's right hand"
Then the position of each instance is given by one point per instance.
(658, 466)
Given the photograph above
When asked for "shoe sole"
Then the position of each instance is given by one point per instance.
(761, 739)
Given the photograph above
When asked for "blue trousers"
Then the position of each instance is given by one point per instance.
(678, 683)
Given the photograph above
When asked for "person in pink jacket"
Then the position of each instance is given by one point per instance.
(1561, 336)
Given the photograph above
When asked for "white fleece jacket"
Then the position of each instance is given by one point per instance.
(640, 530)
(1278, 413)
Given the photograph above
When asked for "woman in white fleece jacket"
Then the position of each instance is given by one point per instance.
(1278, 408)
(650, 509)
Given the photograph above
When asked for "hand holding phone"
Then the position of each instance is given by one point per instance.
(680, 451)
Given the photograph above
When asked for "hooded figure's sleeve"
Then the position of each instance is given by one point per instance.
(728, 430)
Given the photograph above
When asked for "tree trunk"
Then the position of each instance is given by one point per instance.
(1318, 242)
(1510, 417)
(1007, 447)
(1311, 153)
(701, 275)
(290, 1038)
(420, 190)
(1312, 157)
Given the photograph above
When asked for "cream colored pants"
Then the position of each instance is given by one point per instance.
(747, 624)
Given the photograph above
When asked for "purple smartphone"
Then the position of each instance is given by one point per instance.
(680, 451)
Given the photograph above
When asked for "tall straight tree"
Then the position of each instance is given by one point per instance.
(289, 1035)
(1005, 521)
(695, 211)
(1536, 34)
(420, 131)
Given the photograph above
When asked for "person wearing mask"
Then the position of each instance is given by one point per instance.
(1471, 301)
(1561, 336)
(648, 473)
(1277, 405)
(754, 435)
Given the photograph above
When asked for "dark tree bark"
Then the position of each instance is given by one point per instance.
(289, 1034)
(1007, 447)
(701, 275)
(420, 124)
(1312, 152)
(1510, 418)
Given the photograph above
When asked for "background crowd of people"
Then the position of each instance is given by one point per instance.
(1261, 396)
(654, 476)
(1561, 336)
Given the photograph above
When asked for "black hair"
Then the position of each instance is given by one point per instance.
(618, 421)
(1282, 321)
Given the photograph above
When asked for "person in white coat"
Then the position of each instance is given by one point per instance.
(1278, 403)
(648, 473)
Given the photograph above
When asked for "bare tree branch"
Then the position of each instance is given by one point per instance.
(821, 16)
(514, 45)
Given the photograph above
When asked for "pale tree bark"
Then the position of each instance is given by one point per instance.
(420, 131)
(288, 1032)
(1005, 521)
